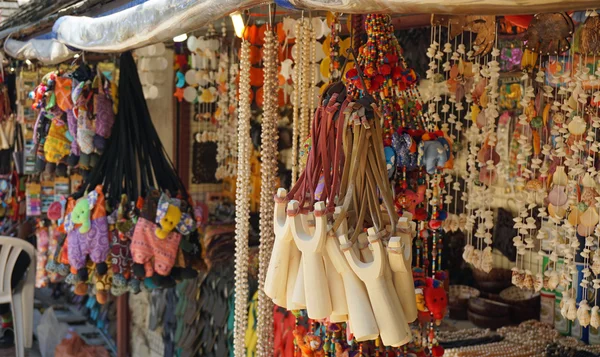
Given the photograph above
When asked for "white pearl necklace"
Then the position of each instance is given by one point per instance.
(242, 204)
(268, 173)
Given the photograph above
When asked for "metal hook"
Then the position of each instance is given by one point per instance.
(272, 14)
(76, 58)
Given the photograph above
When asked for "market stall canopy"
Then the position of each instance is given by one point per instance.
(463, 7)
(150, 22)
(159, 20)
(46, 51)
(155, 21)
(35, 18)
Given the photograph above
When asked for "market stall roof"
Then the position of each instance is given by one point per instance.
(137, 23)
(33, 22)
(7, 9)
(37, 16)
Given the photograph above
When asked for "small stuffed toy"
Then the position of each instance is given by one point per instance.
(168, 220)
(309, 344)
(72, 125)
(38, 95)
(81, 214)
(58, 141)
(436, 299)
(120, 259)
(432, 155)
(390, 160)
(437, 351)
(62, 90)
(405, 148)
(153, 257)
(85, 126)
(413, 199)
(91, 238)
(170, 216)
(103, 112)
(43, 240)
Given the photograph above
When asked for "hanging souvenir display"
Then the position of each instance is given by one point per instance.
(226, 114)
(330, 176)
(342, 287)
(471, 79)
(74, 121)
(396, 177)
(122, 227)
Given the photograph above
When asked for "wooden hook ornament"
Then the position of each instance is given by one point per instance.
(393, 327)
(360, 313)
(318, 298)
(400, 257)
(277, 274)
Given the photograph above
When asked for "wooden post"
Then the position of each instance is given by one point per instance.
(181, 142)
(123, 332)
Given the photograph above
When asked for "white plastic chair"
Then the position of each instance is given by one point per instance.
(21, 299)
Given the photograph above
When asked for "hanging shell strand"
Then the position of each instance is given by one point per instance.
(268, 173)
(295, 98)
(242, 204)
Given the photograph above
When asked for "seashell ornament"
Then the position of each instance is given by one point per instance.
(583, 313)
(596, 265)
(595, 317)
(539, 282)
(571, 309)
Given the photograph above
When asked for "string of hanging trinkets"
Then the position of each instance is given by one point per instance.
(295, 99)
(478, 85)
(234, 70)
(554, 160)
(268, 154)
(303, 86)
(415, 158)
(334, 53)
(225, 130)
(311, 71)
(242, 204)
(593, 49)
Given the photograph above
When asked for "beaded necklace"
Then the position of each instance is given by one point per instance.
(269, 138)
(334, 64)
(225, 131)
(242, 204)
